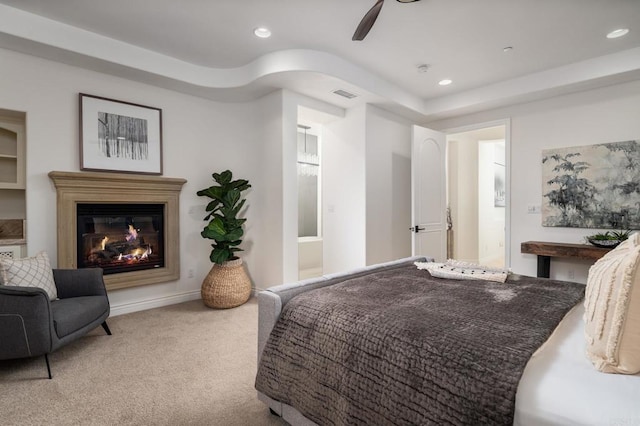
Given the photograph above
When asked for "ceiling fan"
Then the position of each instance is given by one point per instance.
(369, 18)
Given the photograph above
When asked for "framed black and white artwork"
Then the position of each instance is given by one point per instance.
(118, 136)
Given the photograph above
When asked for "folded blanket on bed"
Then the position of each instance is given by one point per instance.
(399, 347)
(458, 270)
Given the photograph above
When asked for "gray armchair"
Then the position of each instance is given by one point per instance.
(32, 325)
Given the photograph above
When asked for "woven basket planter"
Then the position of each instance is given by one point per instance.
(226, 285)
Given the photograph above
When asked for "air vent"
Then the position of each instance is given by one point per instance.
(344, 94)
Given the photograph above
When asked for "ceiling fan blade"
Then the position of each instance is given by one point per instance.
(367, 22)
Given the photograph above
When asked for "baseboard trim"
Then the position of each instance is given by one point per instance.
(143, 305)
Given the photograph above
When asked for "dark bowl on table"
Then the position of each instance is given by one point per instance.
(604, 243)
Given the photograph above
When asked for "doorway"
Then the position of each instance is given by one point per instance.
(310, 244)
(477, 188)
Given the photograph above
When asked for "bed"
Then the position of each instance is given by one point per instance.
(556, 386)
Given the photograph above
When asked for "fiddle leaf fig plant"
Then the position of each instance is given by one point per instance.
(224, 227)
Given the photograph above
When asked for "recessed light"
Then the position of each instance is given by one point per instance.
(618, 33)
(445, 82)
(262, 32)
(423, 68)
(507, 49)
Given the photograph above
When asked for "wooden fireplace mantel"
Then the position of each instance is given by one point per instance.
(92, 187)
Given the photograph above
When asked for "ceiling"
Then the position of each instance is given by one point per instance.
(207, 47)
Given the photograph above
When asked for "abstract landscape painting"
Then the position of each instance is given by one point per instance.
(594, 186)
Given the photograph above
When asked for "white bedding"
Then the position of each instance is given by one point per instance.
(561, 387)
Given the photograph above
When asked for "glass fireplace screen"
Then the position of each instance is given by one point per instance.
(120, 237)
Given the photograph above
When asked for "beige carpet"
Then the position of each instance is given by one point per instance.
(178, 365)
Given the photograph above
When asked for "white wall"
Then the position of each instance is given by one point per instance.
(462, 154)
(343, 191)
(268, 221)
(388, 186)
(199, 137)
(608, 114)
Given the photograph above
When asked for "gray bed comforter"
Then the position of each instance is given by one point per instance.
(399, 347)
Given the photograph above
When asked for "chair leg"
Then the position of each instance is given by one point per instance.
(106, 328)
(46, 358)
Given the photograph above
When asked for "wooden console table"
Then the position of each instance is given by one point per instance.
(546, 251)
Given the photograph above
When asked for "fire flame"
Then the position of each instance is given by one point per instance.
(135, 255)
(133, 233)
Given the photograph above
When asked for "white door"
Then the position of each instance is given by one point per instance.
(428, 193)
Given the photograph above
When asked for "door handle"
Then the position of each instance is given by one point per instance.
(416, 229)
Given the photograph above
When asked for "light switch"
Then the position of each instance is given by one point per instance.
(533, 209)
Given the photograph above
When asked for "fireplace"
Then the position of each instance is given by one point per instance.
(120, 237)
(92, 206)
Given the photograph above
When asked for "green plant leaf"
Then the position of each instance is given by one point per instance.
(234, 212)
(215, 230)
(621, 235)
(223, 178)
(234, 235)
(220, 256)
(212, 205)
(240, 184)
(231, 198)
(224, 227)
(215, 192)
(217, 225)
(207, 233)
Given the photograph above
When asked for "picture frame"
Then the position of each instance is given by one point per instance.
(119, 136)
(592, 186)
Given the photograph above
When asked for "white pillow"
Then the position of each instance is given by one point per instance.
(29, 272)
(612, 310)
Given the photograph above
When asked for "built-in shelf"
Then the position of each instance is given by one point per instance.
(12, 232)
(13, 242)
(12, 150)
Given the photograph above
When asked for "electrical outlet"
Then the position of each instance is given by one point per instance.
(571, 274)
(533, 209)
(190, 273)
